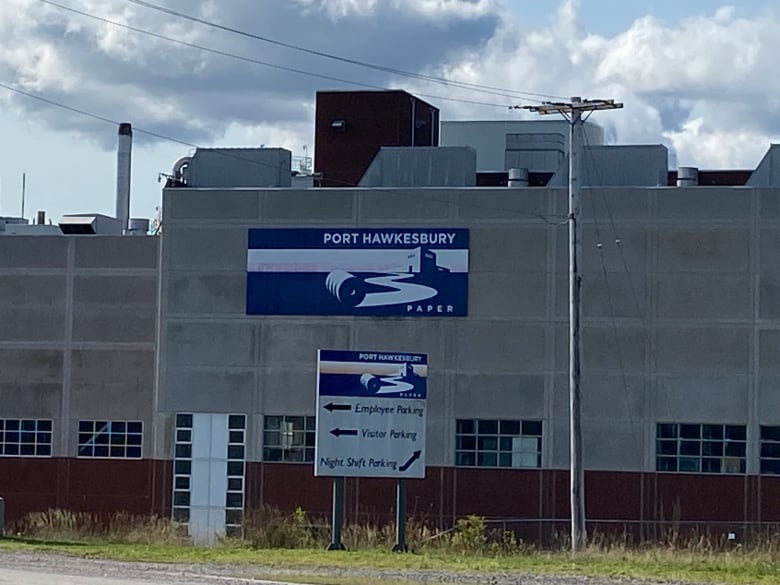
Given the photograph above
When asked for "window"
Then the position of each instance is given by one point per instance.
(498, 443)
(234, 497)
(770, 450)
(112, 439)
(700, 448)
(182, 468)
(25, 437)
(289, 438)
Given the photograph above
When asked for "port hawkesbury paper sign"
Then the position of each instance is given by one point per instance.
(413, 272)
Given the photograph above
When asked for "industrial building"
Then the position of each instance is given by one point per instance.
(145, 374)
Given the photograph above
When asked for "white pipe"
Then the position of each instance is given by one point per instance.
(123, 164)
(179, 166)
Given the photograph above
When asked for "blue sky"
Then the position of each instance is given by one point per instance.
(611, 17)
(695, 78)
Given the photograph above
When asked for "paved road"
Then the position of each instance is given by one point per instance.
(35, 577)
(30, 577)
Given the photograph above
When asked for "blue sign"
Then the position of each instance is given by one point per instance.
(416, 272)
(372, 374)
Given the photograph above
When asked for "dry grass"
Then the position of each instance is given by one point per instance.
(68, 526)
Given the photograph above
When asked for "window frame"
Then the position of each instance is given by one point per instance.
(299, 440)
(105, 427)
(490, 443)
(701, 448)
(765, 460)
(38, 438)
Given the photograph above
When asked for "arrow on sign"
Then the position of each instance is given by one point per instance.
(415, 456)
(344, 432)
(331, 407)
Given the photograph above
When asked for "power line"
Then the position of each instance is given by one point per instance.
(254, 61)
(398, 192)
(420, 76)
(610, 300)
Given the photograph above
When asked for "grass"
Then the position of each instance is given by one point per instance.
(471, 548)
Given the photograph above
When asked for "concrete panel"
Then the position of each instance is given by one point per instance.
(135, 368)
(207, 248)
(557, 431)
(605, 349)
(604, 397)
(701, 399)
(613, 445)
(206, 294)
(211, 204)
(115, 308)
(769, 260)
(34, 252)
(499, 396)
(704, 296)
(441, 389)
(703, 250)
(614, 203)
(622, 294)
(769, 352)
(438, 449)
(313, 205)
(24, 290)
(116, 252)
(205, 390)
(404, 204)
(289, 391)
(30, 400)
(769, 400)
(37, 323)
(31, 365)
(114, 325)
(407, 335)
(508, 294)
(111, 401)
(521, 205)
(489, 347)
(116, 291)
(296, 344)
(697, 204)
(707, 350)
(211, 343)
(628, 255)
(508, 249)
(769, 203)
(769, 296)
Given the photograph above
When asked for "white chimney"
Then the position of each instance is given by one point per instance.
(123, 157)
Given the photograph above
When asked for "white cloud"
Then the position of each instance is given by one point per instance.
(703, 85)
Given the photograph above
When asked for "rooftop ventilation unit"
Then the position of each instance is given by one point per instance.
(91, 224)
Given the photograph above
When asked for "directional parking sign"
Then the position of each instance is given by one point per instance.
(370, 414)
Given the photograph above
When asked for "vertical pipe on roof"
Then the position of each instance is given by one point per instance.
(123, 163)
(687, 177)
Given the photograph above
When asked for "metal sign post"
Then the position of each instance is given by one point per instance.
(337, 518)
(400, 517)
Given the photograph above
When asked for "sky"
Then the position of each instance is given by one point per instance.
(698, 76)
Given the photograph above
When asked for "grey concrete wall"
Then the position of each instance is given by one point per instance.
(681, 311)
(78, 331)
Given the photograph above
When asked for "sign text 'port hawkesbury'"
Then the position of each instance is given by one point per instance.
(415, 272)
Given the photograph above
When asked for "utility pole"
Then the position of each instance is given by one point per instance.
(573, 112)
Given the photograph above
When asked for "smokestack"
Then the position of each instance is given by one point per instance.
(123, 156)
